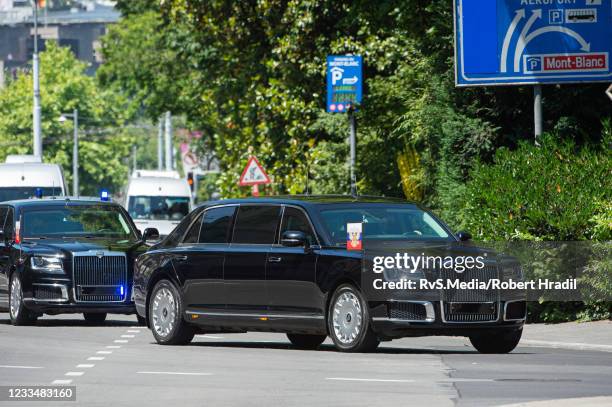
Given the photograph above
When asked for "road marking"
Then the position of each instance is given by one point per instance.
(96, 358)
(178, 373)
(85, 366)
(113, 347)
(120, 341)
(20, 367)
(127, 336)
(211, 336)
(104, 352)
(357, 379)
(74, 373)
(133, 331)
(62, 381)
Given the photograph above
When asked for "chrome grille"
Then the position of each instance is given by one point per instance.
(488, 272)
(47, 292)
(407, 311)
(469, 317)
(100, 278)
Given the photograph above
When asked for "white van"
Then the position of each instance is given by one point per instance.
(21, 180)
(158, 199)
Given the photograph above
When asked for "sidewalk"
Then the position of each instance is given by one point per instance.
(570, 335)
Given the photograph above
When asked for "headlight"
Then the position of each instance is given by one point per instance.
(49, 264)
(399, 274)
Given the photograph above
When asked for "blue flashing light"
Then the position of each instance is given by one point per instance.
(104, 195)
(121, 290)
(39, 193)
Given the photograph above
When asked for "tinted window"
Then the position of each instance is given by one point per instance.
(256, 224)
(176, 235)
(9, 228)
(216, 224)
(194, 232)
(3, 211)
(13, 193)
(158, 207)
(295, 220)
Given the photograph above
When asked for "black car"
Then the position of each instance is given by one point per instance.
(63, 255)
(282, 265)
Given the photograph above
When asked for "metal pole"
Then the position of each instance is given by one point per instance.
(160, 145)
(75, 154)
(537, 112)
(36, 85)
(352, 138)
(134, 162)
(168, 141)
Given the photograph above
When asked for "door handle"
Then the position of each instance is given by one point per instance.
(274, 259)
(180, 258)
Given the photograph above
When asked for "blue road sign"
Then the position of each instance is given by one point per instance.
(344, 82)
(510, 42)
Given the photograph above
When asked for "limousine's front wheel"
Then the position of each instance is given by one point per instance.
(349, 321)
(496, 342)
(165, 314)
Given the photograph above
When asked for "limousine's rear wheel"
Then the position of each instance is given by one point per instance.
(18, 313)
(349, 321)
(496, 341)
(304, 341)
(165, 315)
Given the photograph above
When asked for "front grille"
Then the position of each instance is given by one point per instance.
(451, 316)
(47, 292)
(407, 311)
(488, 272)
(100, 278)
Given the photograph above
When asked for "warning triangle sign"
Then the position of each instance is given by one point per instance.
(253, 174)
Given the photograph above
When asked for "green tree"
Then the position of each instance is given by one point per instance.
(64, 87)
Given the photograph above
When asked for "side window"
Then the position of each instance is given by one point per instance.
(216, 224)
(256, 224)
(294, 219)
(193, 234)
(3, 212)
(9, 223)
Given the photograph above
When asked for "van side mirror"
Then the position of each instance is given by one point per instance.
(464, 236)
(150, 234)
(294, 238)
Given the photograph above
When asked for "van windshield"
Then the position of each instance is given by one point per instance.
(158, 207)
(14, 193)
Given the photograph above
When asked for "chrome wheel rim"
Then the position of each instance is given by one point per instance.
(347, 317)
(164, 312)
(16, 297)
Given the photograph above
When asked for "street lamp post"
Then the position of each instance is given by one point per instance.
(36, 87)
(75, 149)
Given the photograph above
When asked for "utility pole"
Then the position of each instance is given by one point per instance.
(169, 164)
(134, 162)
(352, 143)
(160, 145)
(75, 153)
(537, 113)
(36, 85)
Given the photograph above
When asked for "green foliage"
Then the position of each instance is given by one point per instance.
(64, 87)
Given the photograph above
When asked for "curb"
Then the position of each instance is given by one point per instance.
(565, 345)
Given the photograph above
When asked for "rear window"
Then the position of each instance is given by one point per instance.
(256, 224)
(14, 193)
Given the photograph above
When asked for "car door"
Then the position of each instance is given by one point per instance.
(244, 273)
(199, 259)
(291, 271)
(4, 258)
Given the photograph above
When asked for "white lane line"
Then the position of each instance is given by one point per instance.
(133, 331)
(127, 336)
(85, 366)
(96, 358)
(62, 381)
(211, 336)
(178, 373)
(74, 373)
(113, 347)
(357, 379)
(20, 367)
(120, 341)
(104, 352)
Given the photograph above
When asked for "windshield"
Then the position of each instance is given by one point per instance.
(78, 220)
(13, 193)
(158, 207)
(382, 222)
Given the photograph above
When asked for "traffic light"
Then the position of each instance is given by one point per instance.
(190, 181)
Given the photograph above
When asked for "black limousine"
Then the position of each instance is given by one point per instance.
(67, 255)
(282, 264)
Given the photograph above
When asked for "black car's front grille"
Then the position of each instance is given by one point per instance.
(484, 274)
(48, 292)
(471, 312)
(100, 278)
(407, 311)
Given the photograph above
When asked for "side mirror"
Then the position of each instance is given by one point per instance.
(294, 238)
(150, 234)
(464, 236)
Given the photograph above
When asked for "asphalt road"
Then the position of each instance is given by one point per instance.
(119, 364)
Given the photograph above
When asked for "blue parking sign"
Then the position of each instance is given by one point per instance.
(344, 82)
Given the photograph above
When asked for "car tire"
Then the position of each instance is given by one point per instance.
(18, 312)
(348, 321)
(94, 318)
(496, 341)
(142, 321)
(166, 316)
(303, 341)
